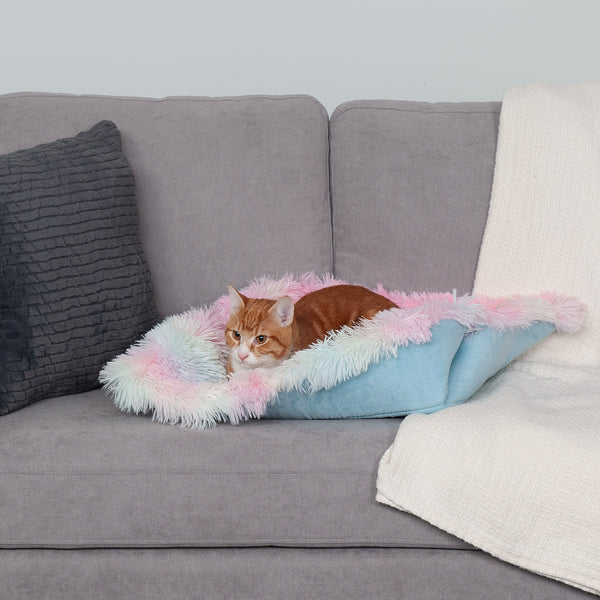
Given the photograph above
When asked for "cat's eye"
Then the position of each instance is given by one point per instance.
(261, 339)
(236, 335)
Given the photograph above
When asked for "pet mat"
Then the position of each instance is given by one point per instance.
(435, 350)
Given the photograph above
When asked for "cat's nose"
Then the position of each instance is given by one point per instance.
(243, 354)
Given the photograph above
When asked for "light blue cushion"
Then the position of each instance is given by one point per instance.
(446, 371)
(484, 353)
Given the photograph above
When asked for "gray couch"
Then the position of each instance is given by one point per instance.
(96, 503)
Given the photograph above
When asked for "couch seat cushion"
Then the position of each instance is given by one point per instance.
(76, 472)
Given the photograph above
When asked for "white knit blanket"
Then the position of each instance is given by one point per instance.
(516, 471)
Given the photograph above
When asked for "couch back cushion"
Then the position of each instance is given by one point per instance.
(228, 189)
(410, 187)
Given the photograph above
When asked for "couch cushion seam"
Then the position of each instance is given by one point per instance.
(192, 99)
(149, 473)
(224, 543)
(411, 110)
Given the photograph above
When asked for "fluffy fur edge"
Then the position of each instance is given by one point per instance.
(177, 370)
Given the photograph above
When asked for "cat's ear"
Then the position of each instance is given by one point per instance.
(283, 311)
(237, 300)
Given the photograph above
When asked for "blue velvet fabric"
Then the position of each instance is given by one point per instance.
(446, 371)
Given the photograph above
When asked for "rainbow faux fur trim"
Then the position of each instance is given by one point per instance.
(177, 370)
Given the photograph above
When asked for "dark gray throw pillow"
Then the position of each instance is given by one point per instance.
(75, 287)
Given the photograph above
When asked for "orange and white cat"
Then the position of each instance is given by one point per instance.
(262, 333)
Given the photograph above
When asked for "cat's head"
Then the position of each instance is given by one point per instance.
(259, 331)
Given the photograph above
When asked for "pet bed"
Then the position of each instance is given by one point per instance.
(434, 350)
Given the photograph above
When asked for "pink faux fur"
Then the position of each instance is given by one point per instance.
(177, 369)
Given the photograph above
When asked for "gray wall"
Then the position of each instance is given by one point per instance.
(336, 50)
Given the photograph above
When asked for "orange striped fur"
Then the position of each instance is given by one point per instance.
(262, 333)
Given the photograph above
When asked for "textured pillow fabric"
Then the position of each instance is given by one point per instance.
(74, 285)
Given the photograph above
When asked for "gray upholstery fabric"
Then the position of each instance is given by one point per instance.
(228, 188)
(78, 472)
(74, 285)
(260, 573)
(410, 188)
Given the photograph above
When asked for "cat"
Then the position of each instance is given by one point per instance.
(262, 333)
